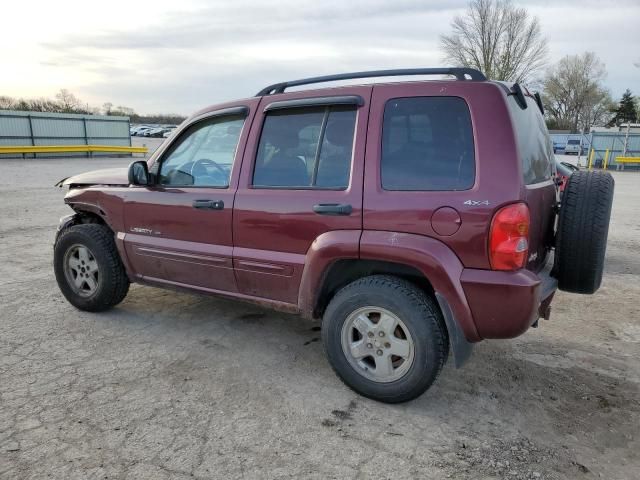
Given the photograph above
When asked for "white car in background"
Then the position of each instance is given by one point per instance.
(139, 130)
(168, 132)
(573, 146)
(154, 132)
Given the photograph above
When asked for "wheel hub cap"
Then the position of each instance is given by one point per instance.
(81, 270)
(377, 344)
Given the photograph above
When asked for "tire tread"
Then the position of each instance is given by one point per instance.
(582, 231)
(429, 311)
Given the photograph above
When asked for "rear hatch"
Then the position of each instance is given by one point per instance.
(535, 152)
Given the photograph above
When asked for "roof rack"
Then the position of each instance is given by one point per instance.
(459, 73)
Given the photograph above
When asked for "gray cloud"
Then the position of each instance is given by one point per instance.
(231, 49)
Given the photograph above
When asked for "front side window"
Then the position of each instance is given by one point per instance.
(203, 155)
(306, 148)
(427, 144)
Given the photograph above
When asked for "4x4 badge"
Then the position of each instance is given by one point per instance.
(476, 202)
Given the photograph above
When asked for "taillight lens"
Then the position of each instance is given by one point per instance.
(509, 237)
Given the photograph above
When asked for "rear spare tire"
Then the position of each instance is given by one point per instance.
(583, 227)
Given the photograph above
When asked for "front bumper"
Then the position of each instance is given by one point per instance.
(506, 304)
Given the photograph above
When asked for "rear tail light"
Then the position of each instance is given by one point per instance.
(509, 237)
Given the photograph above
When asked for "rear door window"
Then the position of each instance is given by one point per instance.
(427, 144)
(306, 148)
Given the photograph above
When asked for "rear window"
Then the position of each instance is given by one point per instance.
(532, 138)
(574, 142)
(427, 144)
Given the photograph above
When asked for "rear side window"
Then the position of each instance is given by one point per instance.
(306, 148)
(427, 144)
(532, 137)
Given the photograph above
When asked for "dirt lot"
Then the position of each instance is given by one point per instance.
(177, 386)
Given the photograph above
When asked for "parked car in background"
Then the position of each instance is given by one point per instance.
(139, 130)
(169, 131)
(573, 146)
(557, 147)
(155, 132)
(375, 208)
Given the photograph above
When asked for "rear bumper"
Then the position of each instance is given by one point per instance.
(506, 304)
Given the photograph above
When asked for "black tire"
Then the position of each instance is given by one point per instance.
(583, 227)
(113, 283)
(419, 313)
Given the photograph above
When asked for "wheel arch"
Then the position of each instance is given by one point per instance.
(344, 271)
(424, 261)
(80, 217)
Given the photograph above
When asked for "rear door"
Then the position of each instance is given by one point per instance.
(301, 177)
(421, 166)
(178, 230)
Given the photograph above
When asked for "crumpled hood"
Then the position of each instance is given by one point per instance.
(107, 176)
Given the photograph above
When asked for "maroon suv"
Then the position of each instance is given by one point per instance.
(414, 218)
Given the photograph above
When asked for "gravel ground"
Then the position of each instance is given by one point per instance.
(172, 385)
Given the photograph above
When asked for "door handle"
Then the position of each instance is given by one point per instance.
(208, 204)
(333, 209)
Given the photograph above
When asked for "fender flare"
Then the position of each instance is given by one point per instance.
(434, 259)
(325, 250)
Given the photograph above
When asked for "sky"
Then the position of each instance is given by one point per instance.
(176, 56)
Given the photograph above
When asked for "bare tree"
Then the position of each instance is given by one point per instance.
(7, 103)
(574, 95)
(69, 103)
(497, 38)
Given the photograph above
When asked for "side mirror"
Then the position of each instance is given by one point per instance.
(139, 173)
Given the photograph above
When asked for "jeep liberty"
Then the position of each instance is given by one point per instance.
(414, 218)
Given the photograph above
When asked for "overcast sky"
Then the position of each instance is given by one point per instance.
(180, 55)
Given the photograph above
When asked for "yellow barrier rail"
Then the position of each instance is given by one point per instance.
(627, 159)
(71, 149)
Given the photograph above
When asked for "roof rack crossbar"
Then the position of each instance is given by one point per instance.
(459, 73)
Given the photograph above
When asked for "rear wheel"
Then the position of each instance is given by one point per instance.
(583, 229)
(88, 268)
(385, 338)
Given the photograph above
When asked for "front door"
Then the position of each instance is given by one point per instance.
(301, 177)
(178, 231)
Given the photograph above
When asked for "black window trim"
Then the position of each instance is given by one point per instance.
(239, 111)
(325, 118)
(356, 100)
(422, 190)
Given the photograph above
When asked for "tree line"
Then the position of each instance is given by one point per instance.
(66, 102)
(506, 43)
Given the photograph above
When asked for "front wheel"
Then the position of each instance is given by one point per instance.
(88, 268)
(385, 338)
